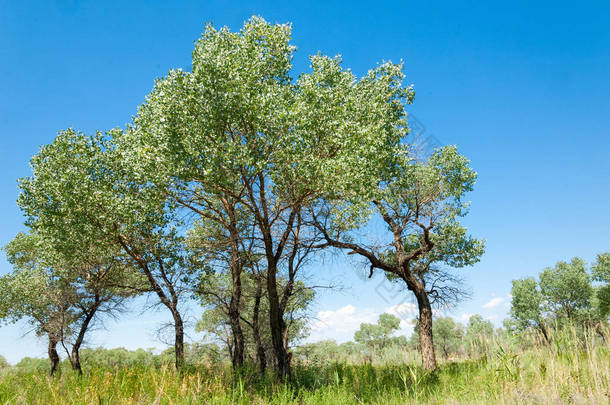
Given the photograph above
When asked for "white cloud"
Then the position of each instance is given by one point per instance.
(465, 317)
(340, 324)
(491, 317)
(405, 311)
(494, 302)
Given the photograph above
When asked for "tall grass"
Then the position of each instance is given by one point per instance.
(573, 369)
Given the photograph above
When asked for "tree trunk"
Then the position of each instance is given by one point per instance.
(426, 342)
(276, 323)
(260, 350)
(75, 354)
(545, 332)
(239, 352)
(53, 356)
(75, 361)
(179, 340)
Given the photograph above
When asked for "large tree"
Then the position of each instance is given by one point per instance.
(420, 202)
(84, 198)
(239, 132)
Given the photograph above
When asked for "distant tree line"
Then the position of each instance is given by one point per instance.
(378, 343)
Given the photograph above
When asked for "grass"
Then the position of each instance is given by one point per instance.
(570, 371)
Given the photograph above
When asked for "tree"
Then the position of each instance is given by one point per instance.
(420, 203)
(563, 294)
(478, 334)
(31, 294)
(601, 273)
(3, 363)
(567, 290)
(377, 336)
(85, 200)
(65, 299)
(239, 132)
(526, 306)
(215, 250)
(448, 336)
(214, 292)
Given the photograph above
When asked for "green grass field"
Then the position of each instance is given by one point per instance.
(569, 371)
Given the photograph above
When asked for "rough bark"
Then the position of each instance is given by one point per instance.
(75, 353)
(239, 353)
(426, 342)
(260, 350)
(401, 267)
(277, 325)
(545, 332)
(273, 254)
(52, 351)
(179, 339)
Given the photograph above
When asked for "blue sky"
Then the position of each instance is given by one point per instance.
(523, 90)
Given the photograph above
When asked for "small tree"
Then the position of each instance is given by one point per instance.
(601, 273)
(479, 332)
(567, 290)
(564, 294)
(377, 336)
(104, 208)
(448, 336)
(64, 299)
(43, 301)
(526, 307)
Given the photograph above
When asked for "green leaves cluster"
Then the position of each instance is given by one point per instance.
(379, 335)
(564, 293)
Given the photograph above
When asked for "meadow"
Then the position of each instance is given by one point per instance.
(573, 369)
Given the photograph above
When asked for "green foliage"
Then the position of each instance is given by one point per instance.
(448, 336)
(526, 305)
(3, 363)
(601, 273)
(34, 290)
(378, 336)
(565, 296)
(567, 289)
(214, 293)
(479, 335)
